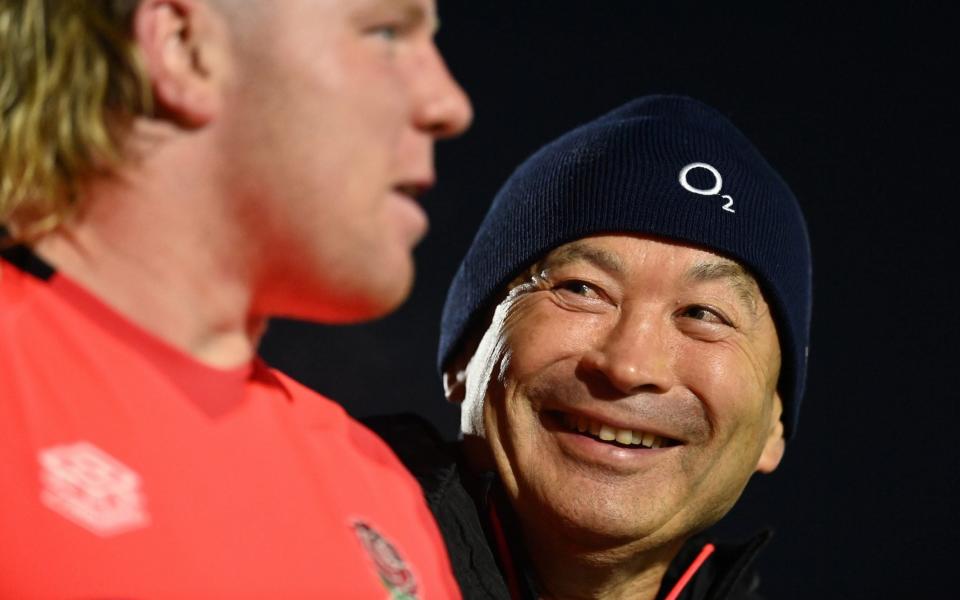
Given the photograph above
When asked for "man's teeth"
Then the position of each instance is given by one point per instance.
(627, 437)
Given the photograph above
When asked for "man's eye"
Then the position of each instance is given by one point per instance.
(391, 30)
(703, 313)
(387, 32)
(580, 288)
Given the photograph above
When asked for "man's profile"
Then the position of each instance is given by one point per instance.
(172, 174)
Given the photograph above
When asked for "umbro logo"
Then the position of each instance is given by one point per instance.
(87, 486)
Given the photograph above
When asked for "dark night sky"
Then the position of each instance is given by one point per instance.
(851, 105)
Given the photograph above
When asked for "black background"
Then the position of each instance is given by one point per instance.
(851, 104)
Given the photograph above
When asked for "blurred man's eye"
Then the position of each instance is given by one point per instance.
(389, 32)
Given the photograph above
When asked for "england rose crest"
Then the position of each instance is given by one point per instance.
(394, 573)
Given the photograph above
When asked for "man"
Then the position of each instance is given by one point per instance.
(628, 337)
(174, 172)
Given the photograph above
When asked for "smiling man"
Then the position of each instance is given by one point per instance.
(173, 174)
(627, 335)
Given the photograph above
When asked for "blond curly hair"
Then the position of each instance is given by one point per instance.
(71, 82)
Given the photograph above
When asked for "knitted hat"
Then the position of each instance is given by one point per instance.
(667, 166)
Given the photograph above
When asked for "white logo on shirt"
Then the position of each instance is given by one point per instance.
(91, 488)
(712, 191)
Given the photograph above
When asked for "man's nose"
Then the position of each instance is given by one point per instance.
(443, 109)
(634, 356)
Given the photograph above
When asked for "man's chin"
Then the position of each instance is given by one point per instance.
(363, 305)
(595, 525)
(349, 291)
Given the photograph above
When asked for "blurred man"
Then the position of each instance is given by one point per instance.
(174, 172)
(628, 336)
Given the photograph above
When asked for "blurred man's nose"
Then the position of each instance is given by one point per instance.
(444, 109)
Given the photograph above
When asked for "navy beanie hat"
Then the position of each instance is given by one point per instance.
(666, 166)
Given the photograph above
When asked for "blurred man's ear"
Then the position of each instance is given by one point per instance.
(183, 44)
(775, 445)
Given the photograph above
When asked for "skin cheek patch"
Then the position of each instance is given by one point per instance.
(491, 351)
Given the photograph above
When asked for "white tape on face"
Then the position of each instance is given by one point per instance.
(491, 351)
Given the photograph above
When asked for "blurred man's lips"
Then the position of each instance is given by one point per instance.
(414, 189)
(409, 192)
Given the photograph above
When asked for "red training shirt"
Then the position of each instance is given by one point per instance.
(130, 470)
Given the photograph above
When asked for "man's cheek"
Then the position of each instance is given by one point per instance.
(546, 336)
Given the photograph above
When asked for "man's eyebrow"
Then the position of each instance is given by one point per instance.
(570, 253)
(738, 277)
(412, 13)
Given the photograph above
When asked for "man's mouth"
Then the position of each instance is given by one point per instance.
(412, 190)
(604, 432)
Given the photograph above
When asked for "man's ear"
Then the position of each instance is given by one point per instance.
(455, 378)
(455, 375)
(183, 44)
(775, 445)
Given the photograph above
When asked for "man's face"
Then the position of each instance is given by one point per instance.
(329, 131)
(628, 343)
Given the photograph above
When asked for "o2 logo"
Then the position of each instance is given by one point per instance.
(712, 191)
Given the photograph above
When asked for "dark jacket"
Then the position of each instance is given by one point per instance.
(489, 561)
